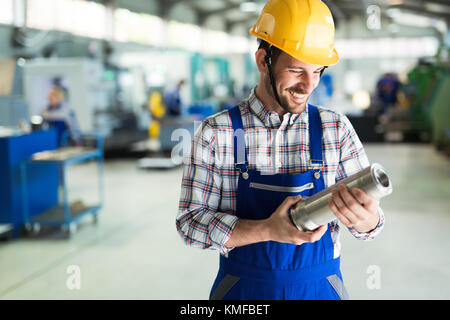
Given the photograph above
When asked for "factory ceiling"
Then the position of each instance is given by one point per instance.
(245, 12)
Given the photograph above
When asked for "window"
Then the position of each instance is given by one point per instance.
(387, 47)
(6, 14)
(139, 28)
(81, 18)
(185, 36)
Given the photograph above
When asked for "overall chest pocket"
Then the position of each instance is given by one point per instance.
(271, 187)
(264, 198)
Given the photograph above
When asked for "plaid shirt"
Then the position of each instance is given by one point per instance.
(207, 204)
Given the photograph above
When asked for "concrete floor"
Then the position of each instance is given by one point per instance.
(135, 252)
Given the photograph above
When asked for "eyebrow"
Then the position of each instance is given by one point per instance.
(301, 68)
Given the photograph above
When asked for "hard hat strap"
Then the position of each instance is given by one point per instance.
(268, 60)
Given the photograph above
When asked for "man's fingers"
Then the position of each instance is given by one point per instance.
(337, 206)
(353, 208)
(317, 234)
(348, 198)
(289, 202)
(338, 201)
(349, 205)
(365, 200)
(320, 230)
(342, 218)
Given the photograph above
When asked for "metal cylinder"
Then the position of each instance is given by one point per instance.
(310, 213)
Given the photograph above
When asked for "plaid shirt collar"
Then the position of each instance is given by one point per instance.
(271, 118)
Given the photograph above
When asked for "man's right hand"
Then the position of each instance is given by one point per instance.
(281, 228)
(278, 227)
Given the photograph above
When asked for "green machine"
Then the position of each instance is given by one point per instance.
(439, 107)
(429, 99)
(428, 93)
(421, 80)
(206, 74)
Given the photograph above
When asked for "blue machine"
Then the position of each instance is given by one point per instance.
(42, 185)
(62, 131)
(29, 188)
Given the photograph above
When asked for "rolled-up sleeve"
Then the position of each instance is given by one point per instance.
(199, 222)
(353, 159)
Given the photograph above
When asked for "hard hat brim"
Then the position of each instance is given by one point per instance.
(332, 59)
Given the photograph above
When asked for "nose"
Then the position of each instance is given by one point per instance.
(308, 82)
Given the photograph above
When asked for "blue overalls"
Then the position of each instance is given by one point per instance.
(272, 270)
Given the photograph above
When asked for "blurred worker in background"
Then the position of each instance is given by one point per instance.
(387, 89)
(60, 116)
(237, 188)
(172, 100)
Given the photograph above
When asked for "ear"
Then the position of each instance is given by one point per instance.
(260, 54)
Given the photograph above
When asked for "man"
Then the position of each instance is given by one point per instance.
(60, 116)
(173, 101)
(248, 166)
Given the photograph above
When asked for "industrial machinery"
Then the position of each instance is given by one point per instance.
(13, 108)
(440, 112)
(95, 92)
(168, 131)
(422, 112)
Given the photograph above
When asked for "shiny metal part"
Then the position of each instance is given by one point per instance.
(310, 213)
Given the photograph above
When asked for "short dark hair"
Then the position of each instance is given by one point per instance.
(275, 52)
(271, 50)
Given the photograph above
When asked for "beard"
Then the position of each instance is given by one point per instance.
(284, 104)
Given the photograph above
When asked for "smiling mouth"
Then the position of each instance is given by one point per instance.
(297, 96)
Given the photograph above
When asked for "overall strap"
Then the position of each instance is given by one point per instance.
(240, 156)
(315, 135)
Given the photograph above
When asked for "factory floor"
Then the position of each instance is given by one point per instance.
(134, 252)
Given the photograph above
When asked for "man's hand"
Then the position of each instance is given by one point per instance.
(281, 228)
(354, 209)
(278, 227)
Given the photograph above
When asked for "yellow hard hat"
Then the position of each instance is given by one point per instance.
(303, 29)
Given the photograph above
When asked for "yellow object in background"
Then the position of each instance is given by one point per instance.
(157, 110)
(156, 106)
(403, 100)
(154, 129)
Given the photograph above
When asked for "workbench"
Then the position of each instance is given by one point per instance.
(63, 214)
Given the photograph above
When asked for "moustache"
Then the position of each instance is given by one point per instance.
(298, 90)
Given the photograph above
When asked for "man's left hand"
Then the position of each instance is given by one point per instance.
(355, 208)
